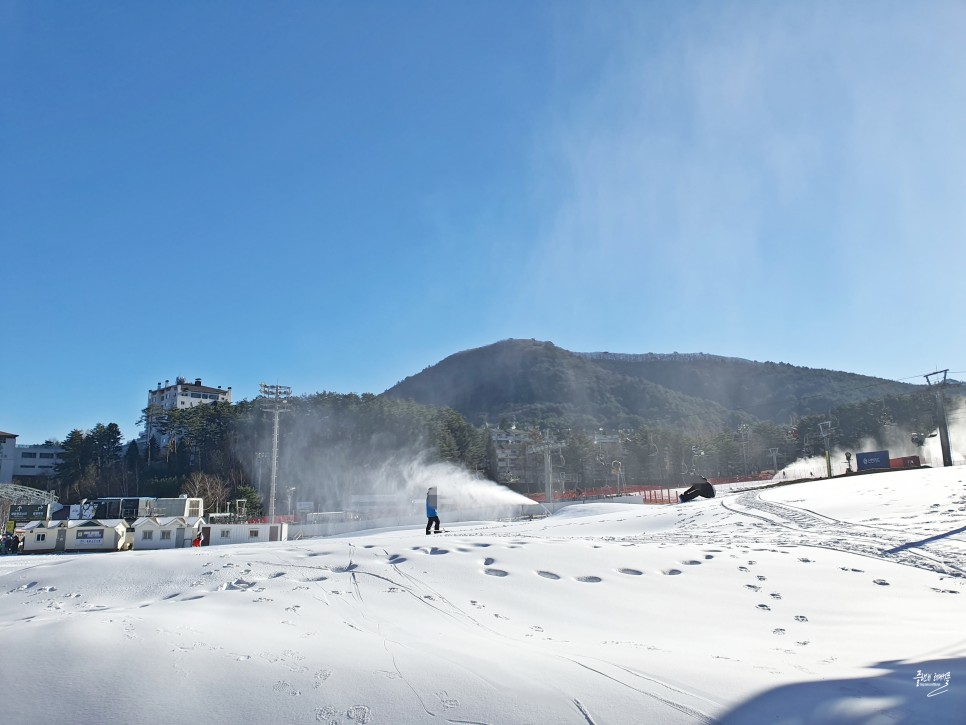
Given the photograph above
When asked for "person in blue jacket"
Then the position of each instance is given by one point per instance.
(431, 515)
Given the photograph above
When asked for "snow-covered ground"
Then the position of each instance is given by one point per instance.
(839, 601)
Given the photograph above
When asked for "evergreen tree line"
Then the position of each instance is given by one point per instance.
(657, 455)
(331, 445)
(652, 455)
(221, 451)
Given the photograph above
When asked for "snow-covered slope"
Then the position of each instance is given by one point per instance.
(821, 602)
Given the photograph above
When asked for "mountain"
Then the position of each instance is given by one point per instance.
(530, 381)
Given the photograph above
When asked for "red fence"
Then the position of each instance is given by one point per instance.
(650, 494)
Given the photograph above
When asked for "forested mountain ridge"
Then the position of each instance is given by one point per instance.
(534, 382)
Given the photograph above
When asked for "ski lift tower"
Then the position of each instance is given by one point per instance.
(620, 483)
(825, 430)
(773, 452)
(547, 448)
(941, 414)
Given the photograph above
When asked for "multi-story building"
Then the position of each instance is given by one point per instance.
(511, 454)
(37, 460)
(179, 396)
(8, 456)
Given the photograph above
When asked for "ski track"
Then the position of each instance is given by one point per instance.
(651, 691)
(812, 529)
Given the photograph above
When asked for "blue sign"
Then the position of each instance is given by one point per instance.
(871, 460)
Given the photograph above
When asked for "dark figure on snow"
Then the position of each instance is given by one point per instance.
(699, 489)
(432, 518)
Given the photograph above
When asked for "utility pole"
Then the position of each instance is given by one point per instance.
(941, 415)
(274, 397)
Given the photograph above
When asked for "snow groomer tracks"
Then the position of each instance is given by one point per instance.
(944, 553)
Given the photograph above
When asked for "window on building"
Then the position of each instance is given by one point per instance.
(196, 395)
(25, 454)
(253, 533)
(165, 536)
(41, 537)
(147, 535)
(46, 455)
(28, 465)
(226, 533)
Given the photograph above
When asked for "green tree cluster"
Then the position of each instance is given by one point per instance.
(219, 450)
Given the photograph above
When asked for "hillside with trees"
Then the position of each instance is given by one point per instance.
(538, 383)
(331, 445)
(664, 417)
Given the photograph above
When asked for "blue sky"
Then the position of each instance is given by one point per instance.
(335, 195)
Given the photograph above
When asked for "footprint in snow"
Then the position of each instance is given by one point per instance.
(801, 618)
(548, 575)
(589, 579)
(495, 572)
(632, 572)
(447, 701)
(880, 582)
(764, 607)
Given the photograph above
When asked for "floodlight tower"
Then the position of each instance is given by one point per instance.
(274, 398)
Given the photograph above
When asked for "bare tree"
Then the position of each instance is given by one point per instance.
(211, 488)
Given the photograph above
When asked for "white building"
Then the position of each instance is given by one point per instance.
(180, 396)
(102, 535)
(218, 534)
(165, 532)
